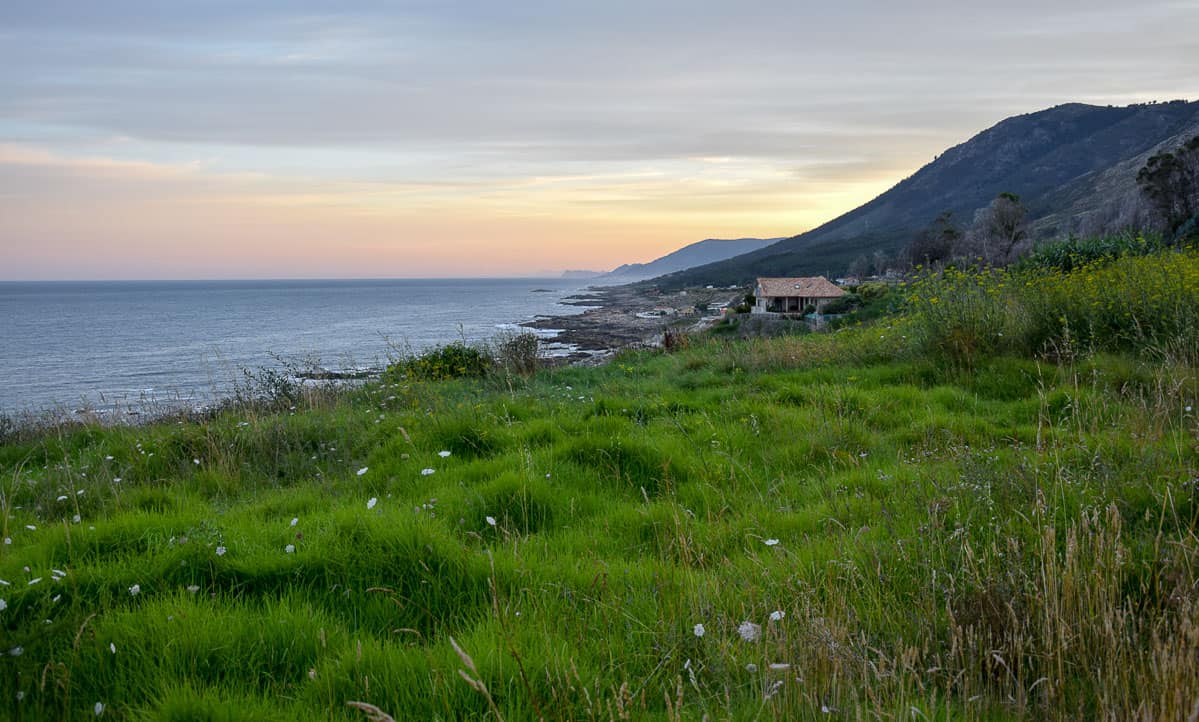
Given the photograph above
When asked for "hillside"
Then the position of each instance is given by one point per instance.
(1067, 163)
(920, 519)
(700, 253)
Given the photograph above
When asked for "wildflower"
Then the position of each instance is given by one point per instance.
(290, 549)
(116, 480)
(4, 583)
(491, 521)
(135, 590)
(771, 542)
(99, 708)
(108, 458)
(8, 540)
(780, 666)
(20, 695)
(112, 647)
(749, 631)
(426, 472)
(80, 492)
(443, 454)
(16, 651)
(220, 551)
(698, 630)
(62, 498)
(33, 581)
(751, 667)
(76, 519)
(193, 588)
(777, 615)
(295, 520)
(31, 527)
(3, 605)
(370, 503)
(196, 462)
(362, 470)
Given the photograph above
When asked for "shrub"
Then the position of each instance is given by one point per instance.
(518, 353)
(452, 361)
(845, 304)
(1074, 252)
(1145, 304)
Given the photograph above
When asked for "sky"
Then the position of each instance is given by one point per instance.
(454, 138)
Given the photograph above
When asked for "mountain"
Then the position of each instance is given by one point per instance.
(1071, 165)
(710, 250)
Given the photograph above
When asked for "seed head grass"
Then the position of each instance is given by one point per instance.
(834, 526)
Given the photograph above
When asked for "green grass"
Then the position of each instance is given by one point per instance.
(913, 539)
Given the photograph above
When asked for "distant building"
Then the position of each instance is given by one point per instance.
(793, 295)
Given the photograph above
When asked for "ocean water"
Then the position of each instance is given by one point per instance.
(132, 346)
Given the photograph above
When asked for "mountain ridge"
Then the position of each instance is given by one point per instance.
(1065, 162)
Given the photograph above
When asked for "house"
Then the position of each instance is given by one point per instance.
(793, 295)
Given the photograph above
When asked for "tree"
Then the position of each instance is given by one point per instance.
(879, 262)
(1170, 184)
(997, 232)
(860, 266)
(935, 243)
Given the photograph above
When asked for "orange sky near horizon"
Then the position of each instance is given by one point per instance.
(111, 219)
(257, 139)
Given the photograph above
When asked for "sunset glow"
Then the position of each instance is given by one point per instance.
(485, 139)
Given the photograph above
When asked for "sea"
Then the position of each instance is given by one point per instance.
(127, 348)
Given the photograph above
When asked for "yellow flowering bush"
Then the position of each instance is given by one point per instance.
(1149, 304)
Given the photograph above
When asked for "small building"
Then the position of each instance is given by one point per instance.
(793, 295)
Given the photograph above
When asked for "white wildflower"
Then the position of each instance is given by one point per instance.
(698, 630)
(33, 581)
(362, 470)
(116, 480)
(749, 631)
(426, 472)
(443, 454)
(196, 462)
(108, 458)
(135, 590)
(99, 708)
(31, 527)
(295, 520)
(751, 667)
(491, 521)
(771, 542)
(193, 588)
(8, 540)
(370, 503)
(64, 497)
(112, 647)
(4, 583)
(16, 651)
(777, 615)
(76, 519)
(3, 605)
(220, 551)
(780, 666)
(290, 549)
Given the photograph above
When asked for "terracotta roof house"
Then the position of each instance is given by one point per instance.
(793, 295)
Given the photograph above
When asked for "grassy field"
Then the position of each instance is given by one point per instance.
(912, 519)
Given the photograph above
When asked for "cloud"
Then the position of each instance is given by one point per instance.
(538, 109)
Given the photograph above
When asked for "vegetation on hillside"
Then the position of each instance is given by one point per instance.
(981, 508)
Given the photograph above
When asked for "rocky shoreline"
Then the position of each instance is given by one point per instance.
(633, 316)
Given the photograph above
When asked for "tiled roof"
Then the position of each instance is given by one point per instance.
(814, 287)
